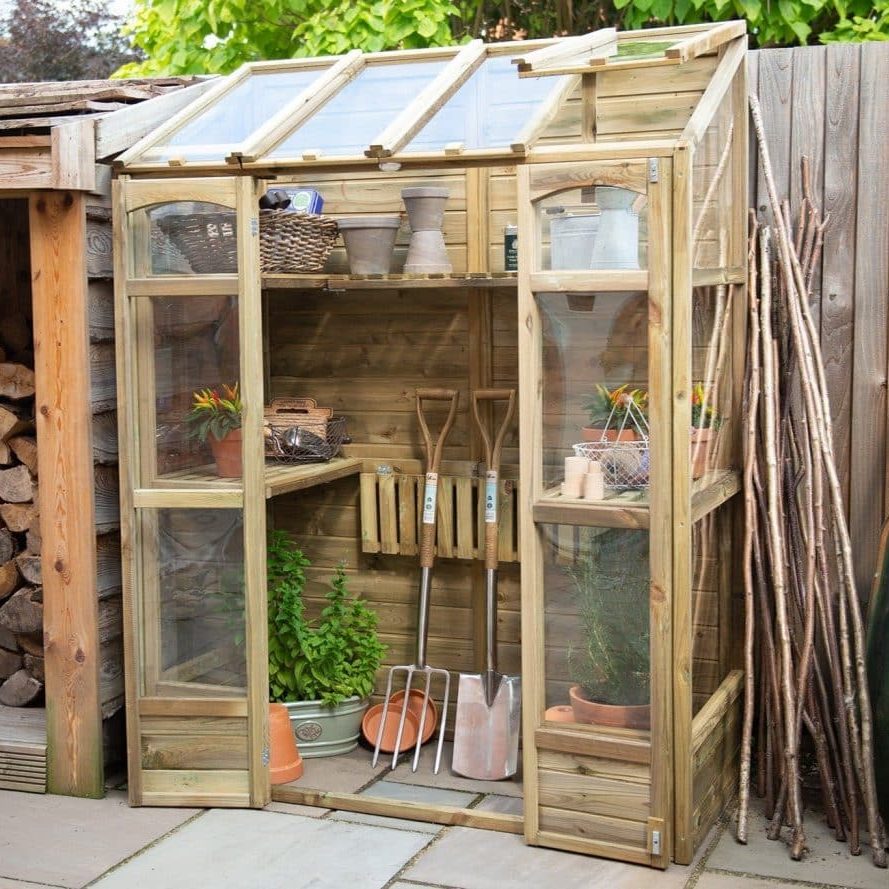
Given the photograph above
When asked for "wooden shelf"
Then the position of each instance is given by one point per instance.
(387, 282)
(629, 509)
(280, 478)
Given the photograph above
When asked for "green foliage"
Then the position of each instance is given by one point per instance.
(216, 36)
(215, 414)
(610, 584)
(859, 22)
(329, 659)
(606, 405)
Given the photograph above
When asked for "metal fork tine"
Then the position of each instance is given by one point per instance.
(383, 716)
(404, 706)
(444, 719)
(419, 743)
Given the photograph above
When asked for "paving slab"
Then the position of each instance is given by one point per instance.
(401, 885)
(827, 862)
(18, 884)
(484, 859)
(414, 793)
(383, 821)
(85, 836)
(449, 779)
(338, 774)
(268, 850)
(709, 880)
(505, 805)
(295, 809)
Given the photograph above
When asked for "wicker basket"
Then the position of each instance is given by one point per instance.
(288, 413)
(297, 444)
(289, 243)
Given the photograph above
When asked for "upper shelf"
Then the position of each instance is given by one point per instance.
(387, 282)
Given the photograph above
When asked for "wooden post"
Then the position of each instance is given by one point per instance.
(64, 420)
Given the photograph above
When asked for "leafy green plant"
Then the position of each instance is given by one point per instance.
(612, 404)
(703, 415)
(213, 414)
(610, 584)
(329, 659)
(859, 22)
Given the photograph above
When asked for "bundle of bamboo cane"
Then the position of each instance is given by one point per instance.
(804, 639)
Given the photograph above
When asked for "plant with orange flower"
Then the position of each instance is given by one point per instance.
(215, 414)
(703, 414)
(612, 404)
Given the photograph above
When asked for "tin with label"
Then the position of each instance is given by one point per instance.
(511, 248)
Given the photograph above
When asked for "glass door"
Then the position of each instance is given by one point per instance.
(594, 328)
(192, 509)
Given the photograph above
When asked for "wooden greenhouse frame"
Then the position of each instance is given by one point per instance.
(657, 115)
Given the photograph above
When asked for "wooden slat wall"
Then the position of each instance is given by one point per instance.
(830, 104)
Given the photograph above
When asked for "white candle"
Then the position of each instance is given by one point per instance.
(575, 466)
(594, 483)
(573, 486)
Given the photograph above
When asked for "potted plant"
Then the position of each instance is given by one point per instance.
(705, 421)
(322, 670)
(610, 668)
(608, 411)
(216, 419)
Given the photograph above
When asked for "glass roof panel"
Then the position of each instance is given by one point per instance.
(232, 118)
(361, 109)
(488, 111)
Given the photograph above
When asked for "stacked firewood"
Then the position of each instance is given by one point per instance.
(806, 686)
(21, 595)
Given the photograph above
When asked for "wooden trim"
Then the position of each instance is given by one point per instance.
(74, 155)
(592, 281)
(591, 514)
(57, 223)
(712, 713)
(451, 816)
(719, 85)
(561, 51)
(172, 707)
(683, 215)
(147, 192)
(711, 495)
(428, 101)
(598, 848)
(625, 745)
(25, 167)
(591, 151)
(707, 41)
(187, 498)
(222, 285)
(543, 116)
(714, 277)
(253, 453)
(300, 109)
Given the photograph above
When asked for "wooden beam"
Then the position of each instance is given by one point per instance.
(70, 600)
(295, 113)
(699, 44)
(543, 116)
(74, 155)
(428, 101)
(562, 51)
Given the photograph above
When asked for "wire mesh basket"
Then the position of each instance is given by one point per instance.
(297, 444)
(625, 464)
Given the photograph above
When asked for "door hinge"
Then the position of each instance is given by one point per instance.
(655, 842)
(652, 169)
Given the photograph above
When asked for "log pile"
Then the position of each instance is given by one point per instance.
(806, 688)
(21, 592)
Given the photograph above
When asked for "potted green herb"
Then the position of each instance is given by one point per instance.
(322, 670)
(611, 665)
(216, 419)
(608, 413)
(705, 421)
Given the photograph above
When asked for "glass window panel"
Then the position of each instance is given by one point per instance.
(711, 601)
(595, 358)
(489, 110)
(596, 593)
(712, 192)
(714, 417)
(195, 346)
(598, 227)
(193, 602)
(361, 110)
(234, 117)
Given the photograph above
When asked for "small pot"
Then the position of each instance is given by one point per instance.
(613, 715)
(591, 433)
(285, 763)
(425, 207)
(560, 713)
(370, 727)
(370, 242)
(701, 443)
(227, 453)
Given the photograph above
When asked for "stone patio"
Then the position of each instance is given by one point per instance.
(60, 841)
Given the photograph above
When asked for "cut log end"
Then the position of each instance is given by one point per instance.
(20, 689)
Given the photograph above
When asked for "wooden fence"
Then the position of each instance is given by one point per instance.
(831, 104)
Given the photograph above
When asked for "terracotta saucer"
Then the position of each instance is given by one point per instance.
(415, 706)
(560, 713)
(370, 725)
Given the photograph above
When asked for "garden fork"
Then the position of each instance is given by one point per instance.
(427, 555)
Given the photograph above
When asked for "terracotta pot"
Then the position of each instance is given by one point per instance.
(426, 253)
(425, 207)
(227, 453)
(370, 725)
(701, 442)
(560, 713)
(285, 763)
(591, 433)
(614, 715)
(415, 705)
(370, 241)
(326, 730)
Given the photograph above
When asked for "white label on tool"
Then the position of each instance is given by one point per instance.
(490, 497)
(430, 494)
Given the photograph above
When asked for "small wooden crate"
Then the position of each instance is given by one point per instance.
(392, 508)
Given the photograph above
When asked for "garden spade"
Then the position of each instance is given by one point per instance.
(489, 704)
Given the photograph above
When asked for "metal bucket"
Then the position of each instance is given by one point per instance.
(326, 731)
(573, 239)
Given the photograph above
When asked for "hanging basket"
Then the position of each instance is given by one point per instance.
(297, 444)
(289, 243)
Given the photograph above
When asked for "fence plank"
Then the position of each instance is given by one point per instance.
(775, 90)
(753, 158)
(837, 271)
(871, 281)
